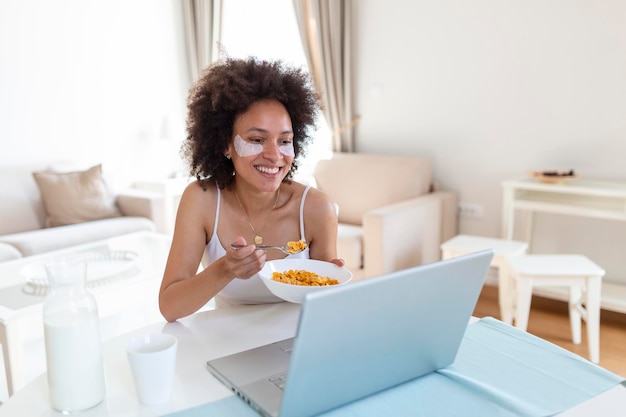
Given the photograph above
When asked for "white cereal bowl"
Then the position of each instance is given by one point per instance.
(296, 293)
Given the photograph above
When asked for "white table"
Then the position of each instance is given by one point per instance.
(464, 244)
(591, 198)
(203, 336)
(578, 274)
(582, 197)
(126, 301)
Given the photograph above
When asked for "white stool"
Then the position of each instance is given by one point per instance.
(579, 273)
(464, 244)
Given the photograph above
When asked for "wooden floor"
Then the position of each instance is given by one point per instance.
(549, 320)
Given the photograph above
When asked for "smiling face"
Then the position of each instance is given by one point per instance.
(262, 145)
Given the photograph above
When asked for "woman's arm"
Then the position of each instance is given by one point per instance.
(320, 220)
(184, 290)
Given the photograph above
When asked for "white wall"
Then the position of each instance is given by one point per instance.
(94, 81)
(488, 89)
(492, 89)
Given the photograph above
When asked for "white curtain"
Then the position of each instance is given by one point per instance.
(326, 31)
(202, 25)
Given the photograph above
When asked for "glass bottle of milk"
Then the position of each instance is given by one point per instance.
(72, 338)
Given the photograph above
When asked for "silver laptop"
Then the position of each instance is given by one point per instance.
(362, 338)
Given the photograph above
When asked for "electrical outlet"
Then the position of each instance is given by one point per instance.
(470, 210)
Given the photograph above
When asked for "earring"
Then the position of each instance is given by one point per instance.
(227, 156)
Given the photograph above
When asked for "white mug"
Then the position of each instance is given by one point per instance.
(152, 359)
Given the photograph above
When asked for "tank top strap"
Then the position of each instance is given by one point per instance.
(306, 190)
(217, 213)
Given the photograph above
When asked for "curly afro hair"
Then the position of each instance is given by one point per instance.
(227, 89)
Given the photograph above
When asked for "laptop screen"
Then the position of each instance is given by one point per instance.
(355, 340)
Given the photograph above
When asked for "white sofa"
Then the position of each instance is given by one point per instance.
(25, 221)
(391, 215)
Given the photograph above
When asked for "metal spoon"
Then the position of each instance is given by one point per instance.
(285, 249)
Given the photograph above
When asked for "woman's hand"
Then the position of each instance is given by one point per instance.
(245, 262)
(338, 262)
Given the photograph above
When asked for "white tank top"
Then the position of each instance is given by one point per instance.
(252, 290)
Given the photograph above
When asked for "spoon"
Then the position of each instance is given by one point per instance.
(291, 248)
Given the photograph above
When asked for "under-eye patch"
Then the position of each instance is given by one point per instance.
(287, 149)
(244, 148)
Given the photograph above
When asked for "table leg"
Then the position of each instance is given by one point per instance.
(523, 299)
(506, 294)
(528, 229)
(13, 355)
(508, 214)
(575, 304)
(594, 290)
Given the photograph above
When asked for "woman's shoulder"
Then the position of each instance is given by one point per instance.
(314, 198)
(200, 192)
(201, 188)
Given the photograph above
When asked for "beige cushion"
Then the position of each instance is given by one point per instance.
(75, 197)
(360, 182)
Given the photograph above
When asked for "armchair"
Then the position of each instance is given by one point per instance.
(391, 216)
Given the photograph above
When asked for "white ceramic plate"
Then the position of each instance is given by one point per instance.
(100, 265)
(296, 293)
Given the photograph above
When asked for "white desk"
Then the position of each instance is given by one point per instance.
(581, 197)
(203, 336)
(127, 301)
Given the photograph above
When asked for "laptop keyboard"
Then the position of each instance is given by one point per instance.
(279, 380)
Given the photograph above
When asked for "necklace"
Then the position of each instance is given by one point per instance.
(258, 239)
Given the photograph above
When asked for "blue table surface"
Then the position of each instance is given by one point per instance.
(499, 371)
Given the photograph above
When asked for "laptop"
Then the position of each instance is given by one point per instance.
(355, 340)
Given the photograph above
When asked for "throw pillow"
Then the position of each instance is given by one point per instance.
(75, 197)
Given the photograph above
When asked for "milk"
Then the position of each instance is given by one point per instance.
(74, 358)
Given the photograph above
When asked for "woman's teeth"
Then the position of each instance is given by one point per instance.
(266, 170)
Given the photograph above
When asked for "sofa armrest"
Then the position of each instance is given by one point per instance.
(8, 252)
(142, 203)
(406, 234)
(35, 242)
(449, 214)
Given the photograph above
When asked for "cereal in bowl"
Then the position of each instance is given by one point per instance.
(302, 277)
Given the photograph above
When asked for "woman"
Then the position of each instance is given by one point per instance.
(248, 122)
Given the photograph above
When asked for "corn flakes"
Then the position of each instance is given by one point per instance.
(296, 246)
(302, 277)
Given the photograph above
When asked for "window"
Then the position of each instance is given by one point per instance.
(268, 30)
